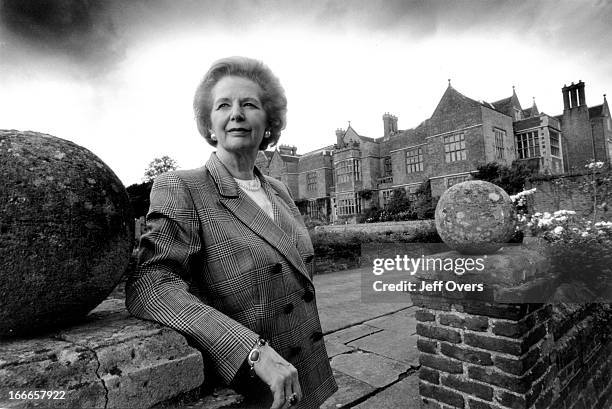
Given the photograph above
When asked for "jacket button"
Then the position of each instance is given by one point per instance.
(288, 308)
(308, 296)
(309, 258)
(316, 336)
(277, 269)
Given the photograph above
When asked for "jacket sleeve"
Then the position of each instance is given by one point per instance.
(158, 290)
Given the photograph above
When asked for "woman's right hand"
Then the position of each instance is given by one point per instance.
(279, 375)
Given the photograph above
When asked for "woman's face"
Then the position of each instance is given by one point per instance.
(237, 117)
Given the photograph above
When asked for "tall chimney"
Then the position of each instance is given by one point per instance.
(389, 124)
(573, 95)
(566, 101)
(581, 99)
(339, 137)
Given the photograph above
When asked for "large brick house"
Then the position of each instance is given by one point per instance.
(340, 181)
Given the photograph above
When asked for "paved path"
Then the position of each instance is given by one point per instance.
(372, 347)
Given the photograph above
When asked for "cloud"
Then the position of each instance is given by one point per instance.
(96, 35)
(81, 31)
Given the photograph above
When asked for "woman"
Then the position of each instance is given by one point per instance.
(227, 260)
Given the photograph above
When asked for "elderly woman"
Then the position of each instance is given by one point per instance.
(227, 260)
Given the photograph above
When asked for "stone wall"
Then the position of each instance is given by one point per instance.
(409, 227)
(569, 193)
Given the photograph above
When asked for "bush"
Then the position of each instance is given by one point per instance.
(348, 244)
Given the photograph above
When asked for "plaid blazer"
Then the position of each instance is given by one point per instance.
(216, 268)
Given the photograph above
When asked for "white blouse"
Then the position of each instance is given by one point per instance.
(254, 190)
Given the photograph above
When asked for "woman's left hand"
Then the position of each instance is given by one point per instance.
(279, 375)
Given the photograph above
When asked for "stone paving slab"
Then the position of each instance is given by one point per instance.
(391, 344)
(402, 321)
(339, 300)
(403, 394)
(372, 369)
(347, 335)
(334, 348)
(349, 390)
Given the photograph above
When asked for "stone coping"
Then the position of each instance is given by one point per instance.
(110, 360)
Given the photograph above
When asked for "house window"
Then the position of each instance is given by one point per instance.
(347, 169)
(386, 195)
(500, 136)
(414, 160)
(453, 180)
(313, 209)
(554, 144)
(454, 147)
(349, 204)
(388, 170)
(311, 180)
(411, 192)
(528, 145)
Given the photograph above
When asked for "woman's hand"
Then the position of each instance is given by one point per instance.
(279, 375)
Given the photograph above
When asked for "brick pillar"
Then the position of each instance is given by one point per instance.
(481, 355)
(485, 350)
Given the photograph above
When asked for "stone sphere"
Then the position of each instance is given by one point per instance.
(66, 232)
(475, 217)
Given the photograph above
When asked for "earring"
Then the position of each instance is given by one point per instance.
(267, 134)
(213, 136)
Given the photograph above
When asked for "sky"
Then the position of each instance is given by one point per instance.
(118, 77)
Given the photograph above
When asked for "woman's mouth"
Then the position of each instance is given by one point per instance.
(238, 130)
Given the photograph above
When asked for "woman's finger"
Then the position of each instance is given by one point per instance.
(278, 390)
(288, 388)
(295, 381)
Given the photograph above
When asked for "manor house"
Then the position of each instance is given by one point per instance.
(342, 180)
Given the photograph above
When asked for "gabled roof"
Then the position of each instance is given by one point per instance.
(317, 151)
(503, 105)
(289, 158)
(352, 132)
(596, 111)
(452, 94)
(508, 105)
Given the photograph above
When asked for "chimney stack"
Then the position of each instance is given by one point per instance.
(339, 137)
(389, 124)
(573, 96)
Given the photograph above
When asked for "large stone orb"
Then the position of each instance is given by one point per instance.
(66, 232)
(475, 217)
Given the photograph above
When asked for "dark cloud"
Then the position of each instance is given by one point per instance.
(80, 30)
(96, 34)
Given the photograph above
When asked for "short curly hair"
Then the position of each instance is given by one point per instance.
(273, 96)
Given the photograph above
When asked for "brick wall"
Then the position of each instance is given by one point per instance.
(479, 355)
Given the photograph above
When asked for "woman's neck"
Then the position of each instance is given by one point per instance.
(240, 165)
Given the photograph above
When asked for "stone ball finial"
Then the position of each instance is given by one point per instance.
(66, 232)
(475, 217)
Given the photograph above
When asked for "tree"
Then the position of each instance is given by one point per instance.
(398, 202)
(139, 197)
(158, 166)
(425, 205)
(512, 179)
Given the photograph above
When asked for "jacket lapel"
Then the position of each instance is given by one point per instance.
(249, 213)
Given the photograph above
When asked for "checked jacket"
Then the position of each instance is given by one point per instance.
(213, 266)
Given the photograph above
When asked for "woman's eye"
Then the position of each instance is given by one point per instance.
(250, 104)
(223, 105)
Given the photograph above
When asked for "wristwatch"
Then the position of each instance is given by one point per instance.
(254, 355)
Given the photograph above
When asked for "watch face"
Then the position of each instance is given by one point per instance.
(254, 356)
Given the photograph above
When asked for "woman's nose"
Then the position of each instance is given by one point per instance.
(236, 113)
